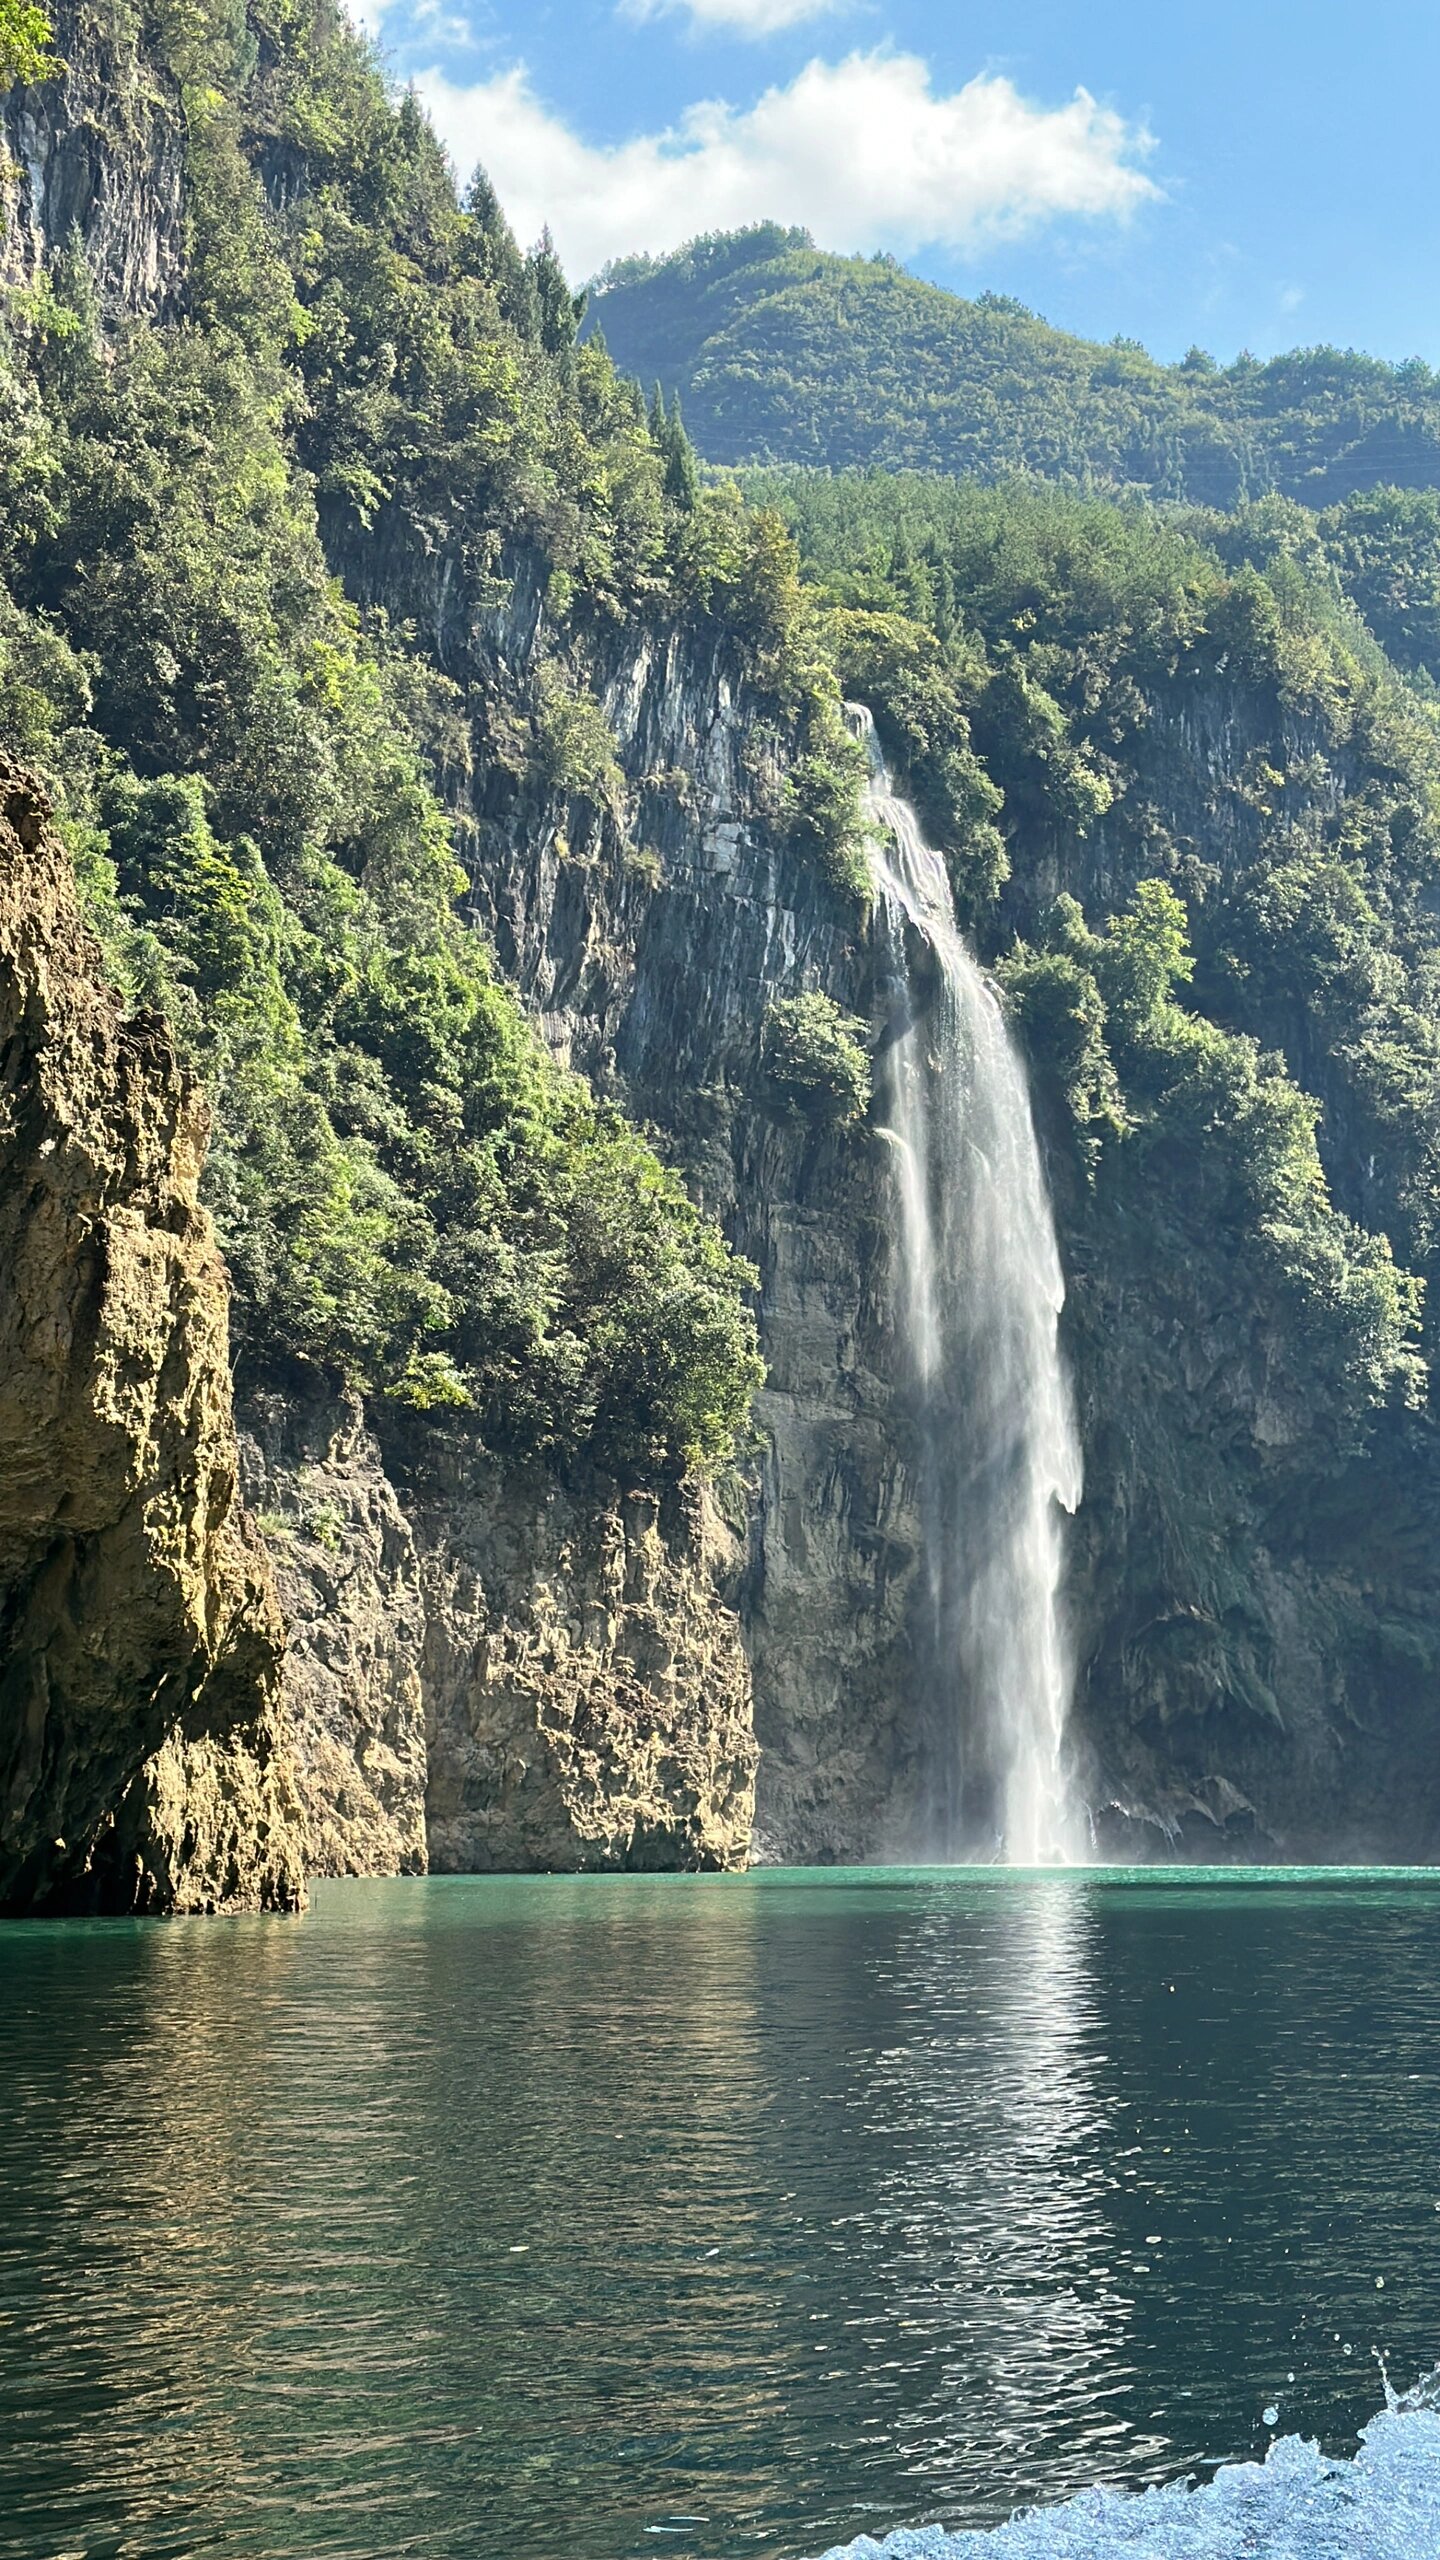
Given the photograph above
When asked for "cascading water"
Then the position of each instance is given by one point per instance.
(978, 1300)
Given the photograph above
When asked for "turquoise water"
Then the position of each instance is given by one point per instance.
(585, 2218)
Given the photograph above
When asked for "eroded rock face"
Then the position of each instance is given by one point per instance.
(349, 1581)
(489, 1670)
(100, 156)
(587, 1695)
(1256, 1610)
(650, 963)
(143, 1761)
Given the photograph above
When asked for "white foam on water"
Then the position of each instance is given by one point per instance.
(1299, 2504)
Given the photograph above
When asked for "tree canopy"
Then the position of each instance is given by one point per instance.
(785, 353)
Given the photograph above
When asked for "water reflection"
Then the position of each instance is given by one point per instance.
(989, 2129)
(553, 2216)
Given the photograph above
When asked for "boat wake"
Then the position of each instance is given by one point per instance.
(1299, 2504)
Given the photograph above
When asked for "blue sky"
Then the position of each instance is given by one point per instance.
(1233, 174)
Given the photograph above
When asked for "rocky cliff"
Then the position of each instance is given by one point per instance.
(1255, 1590)
(497, 1662)
(489, 1668)
(587, 1695)
(1253, 1606)
(99, 159)
(144, 1763)
(485, 1662)
(651, 944)
(1255, 1611)
(486, 1668)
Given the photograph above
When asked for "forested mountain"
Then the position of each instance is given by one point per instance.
(462, 783)
(780, 352)
(411, 1198)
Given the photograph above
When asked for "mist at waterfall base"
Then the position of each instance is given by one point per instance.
(977, 1302)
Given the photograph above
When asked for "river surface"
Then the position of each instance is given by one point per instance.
(580, 2218)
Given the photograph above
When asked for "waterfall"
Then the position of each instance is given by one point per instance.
(978, 1296)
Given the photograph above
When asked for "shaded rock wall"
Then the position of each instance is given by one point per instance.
(650, 950)
(99, 155)
(143, 1760)
(1256, 1605)
(1256, 1610)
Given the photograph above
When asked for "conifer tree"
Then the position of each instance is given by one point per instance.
(682, 477)
(498, 257)
(559, 309)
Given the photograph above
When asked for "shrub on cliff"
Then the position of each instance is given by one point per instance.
(921, 701)
(824, 808)
(1224, 1128)
(26, 53)
(813, 1060)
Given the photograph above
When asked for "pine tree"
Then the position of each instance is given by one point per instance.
(560, 310)
(498, 257)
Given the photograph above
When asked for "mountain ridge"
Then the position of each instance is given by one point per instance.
(781, 352)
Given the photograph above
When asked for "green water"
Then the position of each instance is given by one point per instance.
(583, 2218)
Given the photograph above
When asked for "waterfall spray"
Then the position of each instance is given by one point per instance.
(978, 1295)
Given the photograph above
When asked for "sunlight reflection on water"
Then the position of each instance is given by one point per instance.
(591, 2217)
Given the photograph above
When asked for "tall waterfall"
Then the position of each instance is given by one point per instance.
(978, 1297)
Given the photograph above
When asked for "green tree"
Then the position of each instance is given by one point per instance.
(814, 1061)
(27, 54)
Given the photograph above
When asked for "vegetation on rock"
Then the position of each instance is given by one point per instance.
(26, 53)
(814, 1059)
(144, 1754)
(1182, 724)
(411, 1196)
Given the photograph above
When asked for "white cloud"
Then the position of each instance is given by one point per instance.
(863, 152)
(736, 17)
(424, 22)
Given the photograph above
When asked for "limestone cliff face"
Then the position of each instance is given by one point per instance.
(488, 1669)
(346, 1569)
(650, 948)
(99, 155)
(587, 1696)
(143, 1760)
(648, 941)
(1253, 1611)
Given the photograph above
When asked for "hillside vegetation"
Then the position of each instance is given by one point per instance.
(1231, 970)
(1194, 813)
(411, 1197)
(780, 352)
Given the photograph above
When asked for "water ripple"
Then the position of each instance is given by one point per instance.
(597, 2217)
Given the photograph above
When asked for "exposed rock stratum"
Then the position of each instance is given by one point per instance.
(144, 1760)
